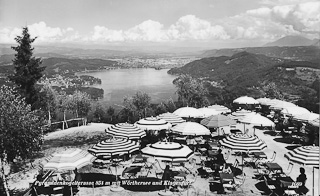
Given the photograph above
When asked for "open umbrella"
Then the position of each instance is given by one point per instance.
(243, 143)
(220, 108)
(126, 130)
(305, 117)
(237, 115)
(280, 105)
(168, 151)
(217, 121)
(264, 100)
(68, 160)
(296, 110)
(206, 112)
(188, 112)
(304, 155)
(245, 100)
(114, 146)
(153, 123)
(190, 128)
(315, 122)
(171, 118)
(257, 120)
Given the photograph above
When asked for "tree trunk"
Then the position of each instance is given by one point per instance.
(3, 179)
(49, 118)
(64, 118)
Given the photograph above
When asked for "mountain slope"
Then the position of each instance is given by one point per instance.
(246, 74)
(291, 40)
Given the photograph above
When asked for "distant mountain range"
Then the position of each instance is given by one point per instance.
(289, 47)
(292, 40)
(286, 52)
(246, 73)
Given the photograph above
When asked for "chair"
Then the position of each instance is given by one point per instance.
(269, 160)
(289, 169)
(261, 172)
(277, 132)
(270, 187)
(237, 183)
(248, 161)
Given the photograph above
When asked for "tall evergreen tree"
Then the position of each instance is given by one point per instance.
(27, 68)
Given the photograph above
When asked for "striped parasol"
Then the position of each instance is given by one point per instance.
(153, 123)
(68, 160)
(168, 151)
(243, 143)
(190, 128)
(114, 146)
(304, 155)
(171, 118)
(126, 130)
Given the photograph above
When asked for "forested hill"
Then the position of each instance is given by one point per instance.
(293, 52)
(56, 65)
(246, 74)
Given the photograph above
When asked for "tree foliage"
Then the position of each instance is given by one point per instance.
(135, 107)
(271, 91)
(27, 68)
(191, 91)
(20, 128)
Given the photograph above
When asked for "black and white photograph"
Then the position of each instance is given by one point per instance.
(159, 97)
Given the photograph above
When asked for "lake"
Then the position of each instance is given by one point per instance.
(118, 83)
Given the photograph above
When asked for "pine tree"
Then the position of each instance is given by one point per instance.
(27, 68)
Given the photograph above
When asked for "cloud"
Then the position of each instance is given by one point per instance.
(40, 30)
(269, 22)
(274, 22)
(191, 27)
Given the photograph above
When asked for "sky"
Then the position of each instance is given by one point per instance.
(177, 23)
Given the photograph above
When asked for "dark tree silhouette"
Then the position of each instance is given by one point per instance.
(27, 68)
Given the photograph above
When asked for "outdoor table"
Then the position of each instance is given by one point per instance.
(274, 167)
(132, 169)
(139, 158)
(235, 131)
(284, 182)
(212, 153)
(259, 156)
(226, 177)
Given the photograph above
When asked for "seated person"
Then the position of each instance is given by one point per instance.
(220, 159)
(302, 178)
